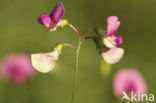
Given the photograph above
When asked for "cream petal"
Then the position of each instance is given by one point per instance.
(108, 42)
(44, 62)
(113, 55)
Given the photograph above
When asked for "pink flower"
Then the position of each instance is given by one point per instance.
(112, 53)
(53, 19)
(128, 80)
(110, 39)
(17, 67)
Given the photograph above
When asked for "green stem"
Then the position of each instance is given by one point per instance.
(70, 45)
(76, 31)
(75, 72)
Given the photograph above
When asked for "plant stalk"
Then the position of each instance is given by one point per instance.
(74, 93)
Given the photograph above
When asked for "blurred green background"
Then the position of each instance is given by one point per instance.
(20, 32)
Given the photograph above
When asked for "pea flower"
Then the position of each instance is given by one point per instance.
(53, 21)
(17, 67)
(44, 62)
(111, 52)
(128, 80)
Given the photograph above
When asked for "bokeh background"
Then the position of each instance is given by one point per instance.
(21, 33)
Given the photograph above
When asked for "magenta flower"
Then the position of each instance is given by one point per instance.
(53, 19)
(128, 80)
(112, 54)
(17, 67)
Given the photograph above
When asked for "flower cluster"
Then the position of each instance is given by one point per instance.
(107, 43)
(19, 67)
